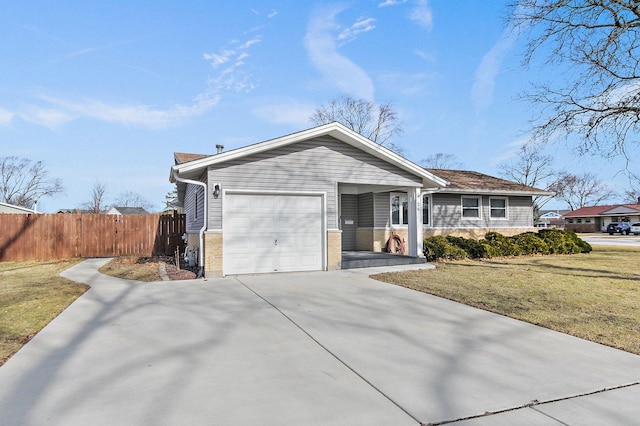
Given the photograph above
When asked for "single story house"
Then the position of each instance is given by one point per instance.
(10, 208)
(551, 219)
(127, 210)
(295, 203)
(596, 218)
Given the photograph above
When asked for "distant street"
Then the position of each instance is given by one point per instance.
(612, 240)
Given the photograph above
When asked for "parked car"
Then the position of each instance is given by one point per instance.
(623, 228)
(635, 228)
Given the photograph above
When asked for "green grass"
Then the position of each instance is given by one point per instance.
(31, 295)
(594, 296)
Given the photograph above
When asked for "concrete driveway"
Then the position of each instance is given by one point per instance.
(327, 348)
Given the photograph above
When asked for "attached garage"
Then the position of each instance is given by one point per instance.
(273, 233)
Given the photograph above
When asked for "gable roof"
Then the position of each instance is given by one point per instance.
(194, 167)
(592, 211)
(183, 157)
(10, 208)
(127, 210)
(466, 181)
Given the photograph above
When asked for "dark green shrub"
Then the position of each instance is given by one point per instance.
(564, 242)
(584, 246)
(530, 243)
(436, 248)
(505, 246)
(473, 248)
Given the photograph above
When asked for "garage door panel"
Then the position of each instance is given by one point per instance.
(254, 223)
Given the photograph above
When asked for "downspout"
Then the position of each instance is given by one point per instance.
(177, 177)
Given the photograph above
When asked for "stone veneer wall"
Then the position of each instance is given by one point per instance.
(334, 250)
(213, 253)
(474, 233)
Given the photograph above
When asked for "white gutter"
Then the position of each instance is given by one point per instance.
(177, 177)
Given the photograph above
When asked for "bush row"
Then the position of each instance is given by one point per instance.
(546, 241)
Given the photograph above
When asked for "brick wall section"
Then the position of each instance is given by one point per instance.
(334, 250)
(213, 253)
(581, 227)
(475, 233)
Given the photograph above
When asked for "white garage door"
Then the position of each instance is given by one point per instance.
(271, 233)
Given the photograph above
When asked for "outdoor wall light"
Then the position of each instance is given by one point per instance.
(216, 190)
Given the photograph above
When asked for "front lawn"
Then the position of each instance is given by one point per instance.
(31, 295)
(594, 296)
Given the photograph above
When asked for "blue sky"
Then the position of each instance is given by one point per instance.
(107, 91)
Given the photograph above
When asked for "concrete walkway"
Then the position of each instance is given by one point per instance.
(327, 348)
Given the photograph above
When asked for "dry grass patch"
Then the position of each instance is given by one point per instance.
(31, 295)
(594, 296)
(132, 268)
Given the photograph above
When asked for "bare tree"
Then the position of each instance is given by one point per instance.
(580, 190)
(133, 199)
(595, 45)
(376, 122)
(441, 161)
(22, 182)
(97, 202)
(531, 168)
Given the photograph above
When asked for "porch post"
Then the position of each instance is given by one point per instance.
(415, 222)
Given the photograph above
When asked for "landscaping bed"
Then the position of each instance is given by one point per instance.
(146, 269)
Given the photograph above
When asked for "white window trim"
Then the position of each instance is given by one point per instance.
(429, 203)
(506, 208)
(400, 215)
(479, 198)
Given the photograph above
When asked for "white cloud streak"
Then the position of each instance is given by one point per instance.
(422, 14)
(337, 70)
(362, 25)
(391, 3)
(6, 117)
(485, 76)
(286, 112)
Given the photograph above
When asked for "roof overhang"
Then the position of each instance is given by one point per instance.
(194, 169)
(495, 192)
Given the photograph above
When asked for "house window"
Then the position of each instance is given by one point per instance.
(471, 207)
(399, 209)
(579, 220)
(570, 220)
(425, 210)
(498, 208)
(587, 220)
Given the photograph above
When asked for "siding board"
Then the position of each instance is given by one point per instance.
(314, 165)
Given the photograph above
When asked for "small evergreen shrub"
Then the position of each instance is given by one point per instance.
(473, 248)
(547, 241)
(436, 248)
(503, 245)
(530, 243)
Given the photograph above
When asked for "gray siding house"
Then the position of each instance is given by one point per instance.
(295, 203)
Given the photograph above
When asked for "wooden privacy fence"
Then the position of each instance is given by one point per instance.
(61, 236)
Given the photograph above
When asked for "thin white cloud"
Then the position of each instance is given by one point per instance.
(232, 77)
(510, 150)
(338, 70)
(6, 117)
(407, 84)
(272, 14)
(65, 110)
(362, 25)
(422, 14)
(286, 112)
(391, 3)
(485, 76)
(52, 118)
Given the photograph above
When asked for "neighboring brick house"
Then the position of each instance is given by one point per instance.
(297, 202)
(596, 218)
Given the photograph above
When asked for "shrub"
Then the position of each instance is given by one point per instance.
(505, 246)
(473, 248)
(436, 248)
(530, 243)
(563, 242)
